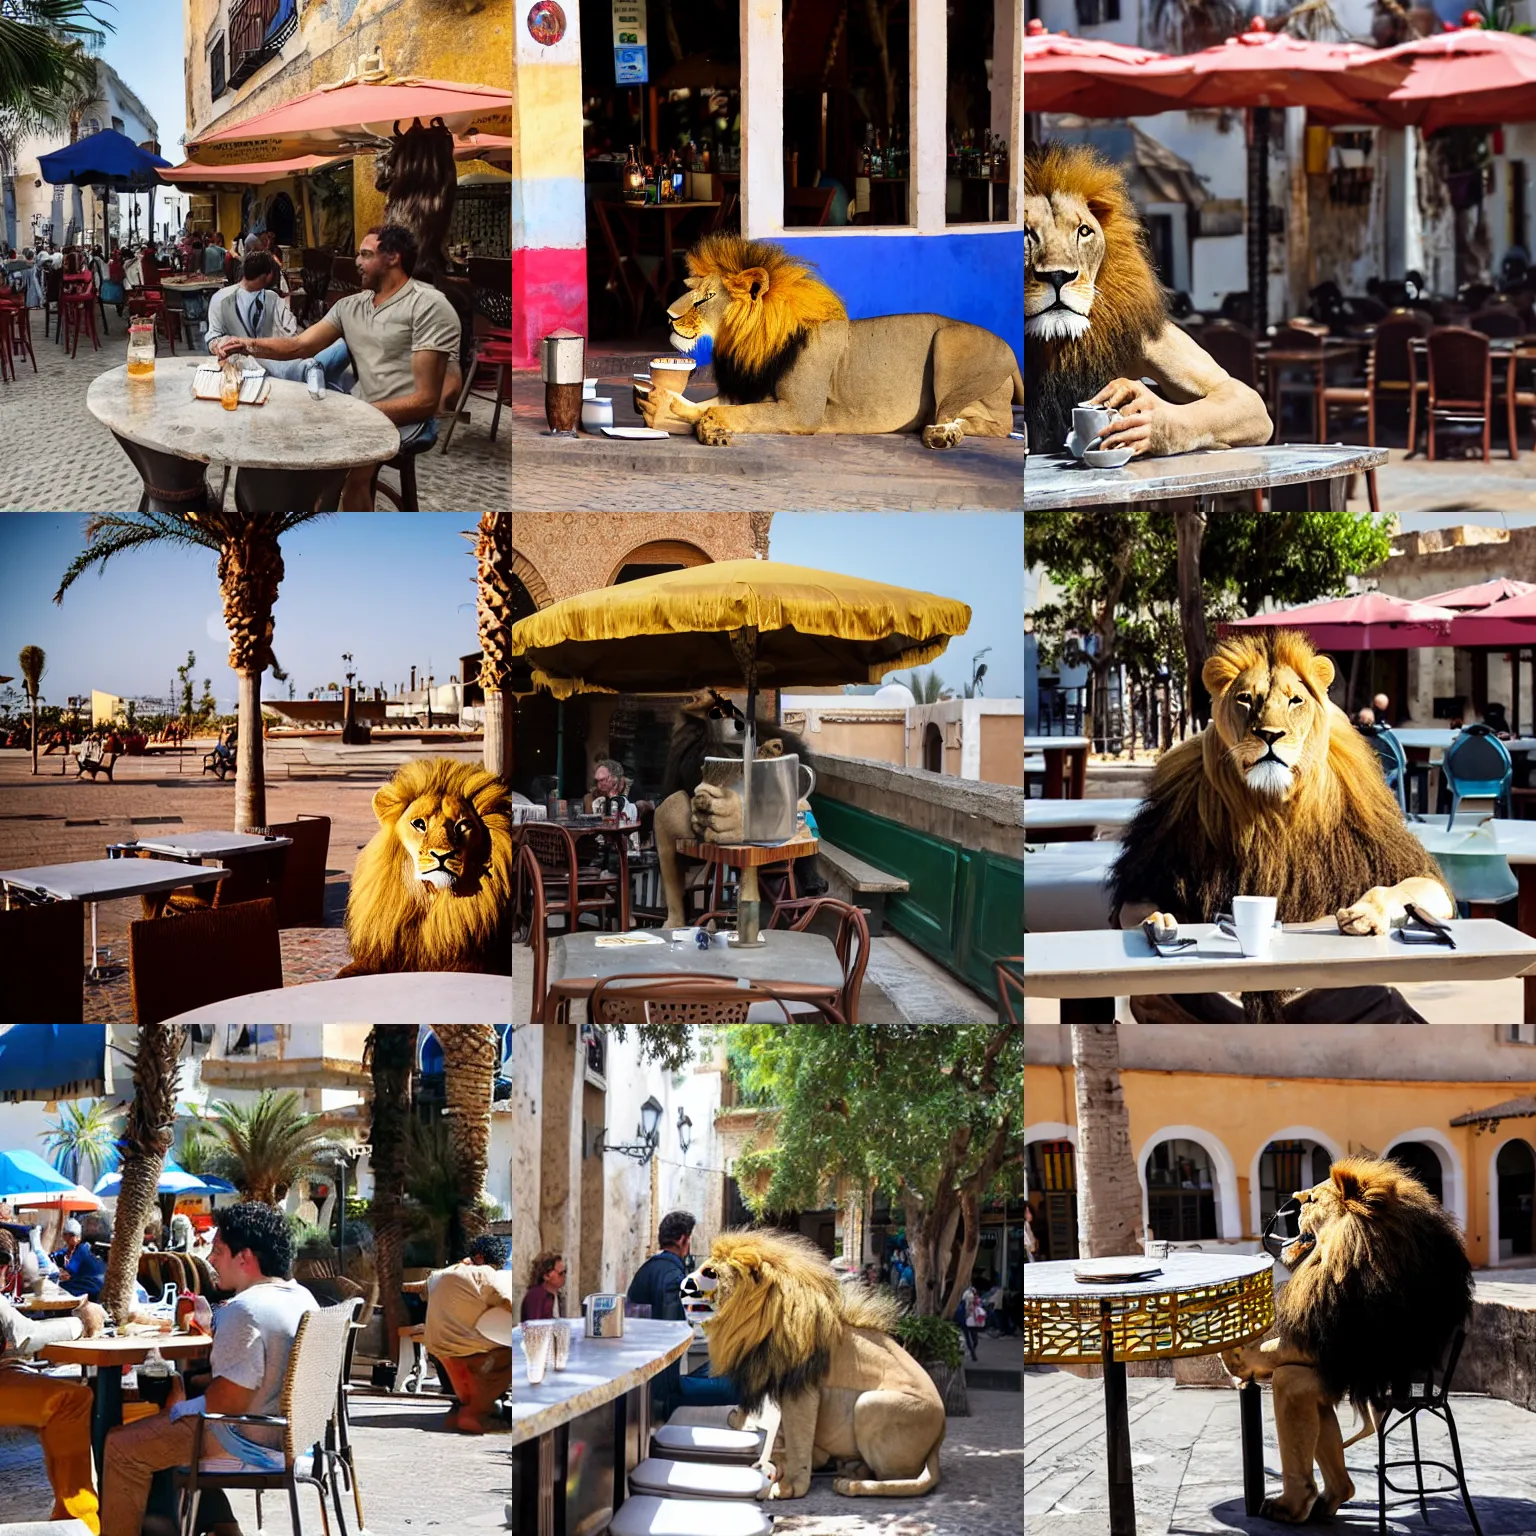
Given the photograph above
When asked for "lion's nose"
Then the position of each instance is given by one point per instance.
(1058, 278)
(1268, 737)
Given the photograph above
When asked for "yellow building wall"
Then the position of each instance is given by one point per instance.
(1245, 1113)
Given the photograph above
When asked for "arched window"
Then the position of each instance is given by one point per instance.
(1285, 1167)
(1181, 1192)
(1515, 1171)
(658, 556)
(1423, 1162)
(1051, 1185)
(933, 748)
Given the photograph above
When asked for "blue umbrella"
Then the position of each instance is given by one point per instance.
(174, 1180)
(44, 1062)
(108, 156)
(26, 1179)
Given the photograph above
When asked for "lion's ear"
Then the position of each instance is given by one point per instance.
(1218, 672)
(1350, 1187)
(751, 283)
(1102, 209)
(1323, 672)
(388, 802)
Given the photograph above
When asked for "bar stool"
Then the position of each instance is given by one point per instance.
(78, 311)
(646, 1515)
(707, 1443)
(696, 1480)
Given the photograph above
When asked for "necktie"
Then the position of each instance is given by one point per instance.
(256, 316)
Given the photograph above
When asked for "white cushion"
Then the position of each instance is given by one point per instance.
(716, 1415)
(698, 1441)
(646, 1515)
(696, 1479)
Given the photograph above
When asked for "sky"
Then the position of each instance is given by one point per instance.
(395, 589)
(146, 48)
(977, 557)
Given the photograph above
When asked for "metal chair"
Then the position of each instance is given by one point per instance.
(180, 963)
(1477, 764)
(639, 998)
(1394, 763)
(528, 904)
(569, 890)
(1426, 1391)
(1460, 380)
(851, 943)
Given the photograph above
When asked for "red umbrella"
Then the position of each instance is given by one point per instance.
(1370, 621)
(1467, 76)
(1511, 622)
(484, 146)
(1091, 77)
(1482, 594)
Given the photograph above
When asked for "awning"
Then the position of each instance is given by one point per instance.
(174, 1180)
(44, 1062)
(493, 147)
(1488, 1119)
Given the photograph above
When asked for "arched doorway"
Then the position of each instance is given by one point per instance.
(1181, 1192)
(933, 748)
(1285, 1167)
(656, 557)
(1423, 1162)
(280, 219)
(1051, 1187)
(1515, 1193)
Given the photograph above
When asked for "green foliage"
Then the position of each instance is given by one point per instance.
(44, 57)
(264, 1147)
(927, 687)
(669, 1045)
(33, 661)
(930, 1340)
(1499, 16)
(82, 1139)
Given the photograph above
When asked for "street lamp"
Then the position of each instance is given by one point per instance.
(346, 656)
(684, 1131)
(648, 1132)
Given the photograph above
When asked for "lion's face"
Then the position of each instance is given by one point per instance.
(1356, 1193)
(1064, 246)
(441, 831)
(1271, 716)
(702, 310)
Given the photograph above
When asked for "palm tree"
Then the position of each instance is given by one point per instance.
(33, 664)
(250, 572)
(268, 1146)
(391, 1058)
(471, 1054)
(83, 1137)
(42, 54)
(146, 1139)
(493, 553)
(1108, 1189)
(927, 687)
(435, 1205)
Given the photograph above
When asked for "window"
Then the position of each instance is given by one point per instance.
(216, 68)
(1181, 1193)
(1519, 1034)
(117, 125)
(1423, 1162)
(1094, 13)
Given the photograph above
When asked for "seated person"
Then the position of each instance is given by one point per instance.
(81, 1272)
(255, 307)
(546, 1276)
(610, 783)
(253, 1337)
(59, 1410)
(457, 1300)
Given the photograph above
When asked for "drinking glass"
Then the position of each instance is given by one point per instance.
(141, 349)
(536, 1342)
(560, 1338)
(229, 384)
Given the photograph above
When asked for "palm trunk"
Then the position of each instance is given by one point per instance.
(250, 774)
(470, 1057)
(1108, 1189)
(391, 1055)
(34, 736)
(498, 734)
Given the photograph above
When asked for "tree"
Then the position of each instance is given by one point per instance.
(1108, 1189)
(83, 1138)
(147, 1136)
(33, 663)
(471, 1055)
(250, 572)
(391, 1059)
(42, 56)
(927, 687)
(267, 1146)
(185, 674)
(207, 705)
(493, 611)
(930, 1114)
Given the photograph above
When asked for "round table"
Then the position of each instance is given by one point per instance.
(49, 1305)
(404, 997)
(748, 858)
(293, 451)
(1200, 1304)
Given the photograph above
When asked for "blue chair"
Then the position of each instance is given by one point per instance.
(1476, 764)
(1393, 763)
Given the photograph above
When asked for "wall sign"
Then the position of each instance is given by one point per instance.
(630, 63)
(546, 23)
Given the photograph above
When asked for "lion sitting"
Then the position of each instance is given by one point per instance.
(1097, 324)
(432, 891)
(788, 359)
(1379, 1284)
(1280, 796)
(786, 1329)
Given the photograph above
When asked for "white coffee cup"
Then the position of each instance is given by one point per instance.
(1090, 422)
(672, 372)
(1253, 918)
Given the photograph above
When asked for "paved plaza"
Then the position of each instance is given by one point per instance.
(56, 457)
(1187, 1462)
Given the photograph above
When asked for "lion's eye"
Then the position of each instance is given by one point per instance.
(1294, 702)
(463, 828)
(1083, 231)
(1245, 699)
(419, 824)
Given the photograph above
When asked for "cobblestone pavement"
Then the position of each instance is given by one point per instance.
(415, 1474)
(1187, 1460)
(891, 472)
(56, 457)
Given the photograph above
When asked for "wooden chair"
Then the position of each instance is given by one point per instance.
(1460, 379)
(15, 337)
(490, 354)
(1355, 399)
(316, 269)
(180, 963)
(639, 998)
(344, 279)
(1009, 976)
(528, 906)
(728, 214)
(851, 943)
(42, 958)
(1394, 375)
(1498, 320)
(254, 876)
(300, 890)
(570, 891)
(1283, 380)
(807, 207)
(1232, 346)
(77, 301)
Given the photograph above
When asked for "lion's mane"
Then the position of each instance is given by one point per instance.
(1129, 309)
(1384, 1287)
(757, 342)
(782, 1314)
(395, 923)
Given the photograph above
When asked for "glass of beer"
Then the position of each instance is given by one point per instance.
(230, 375)
(141, 349)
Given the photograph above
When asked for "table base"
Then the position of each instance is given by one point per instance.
(1117, 1439)
(281, 490)
(106, 1410)
(1249, 1406)
(171, 484)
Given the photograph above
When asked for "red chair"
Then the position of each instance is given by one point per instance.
(77, 306)
(493, 350)
(15, 337)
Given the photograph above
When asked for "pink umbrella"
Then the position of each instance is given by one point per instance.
(1511, 622)
(1482, 594)
(1091, 77)
(1370, 621)
(1462, 77)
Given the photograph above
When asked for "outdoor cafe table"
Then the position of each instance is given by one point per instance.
(803, 963)
(748, 858)
(1066, 764)
(1201, 1304)
(402, 997)
(291, 452)
(107, 1357)
(616, 832)
(94, 880)
(567, 1467)
(1110, 963)
(1056, 481)
(1049, 821)
(49, 1305)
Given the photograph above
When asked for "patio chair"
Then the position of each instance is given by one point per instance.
(1426, 1391)
(180, 963)
(1394, 376)
(344, 279)
(1394, 763)
(1460, 380)
(640, 998)
(42, 957)
(1498, 320)
(53, 301)
(1298, 380)
(528, 905)
(1009, 976)
(316, 270)
(569, 891)
(1231, 345)
(300, 889)
(15, 336)
(306, 1418)
(1476, 764)
(78, 311)
(491, 354)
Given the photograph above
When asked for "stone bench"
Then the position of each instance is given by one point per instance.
(863, 885)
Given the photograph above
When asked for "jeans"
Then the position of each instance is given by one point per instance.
(135, 1453)
(335, 359)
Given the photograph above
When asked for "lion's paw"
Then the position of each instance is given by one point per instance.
(712, 430)
(1366, 916)
(1279, 1509)
(787, 1488)
(944, 434)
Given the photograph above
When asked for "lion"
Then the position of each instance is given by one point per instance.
(432, 891)
(1280, 796)
(1379, 1285)
(786, 1329)
(1096, 320)
(788, 359)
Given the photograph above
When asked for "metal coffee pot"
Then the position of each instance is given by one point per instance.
(775, 793)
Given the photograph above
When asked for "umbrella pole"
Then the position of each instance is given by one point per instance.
(749, 908)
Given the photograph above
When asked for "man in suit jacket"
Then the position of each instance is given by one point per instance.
(253, 307)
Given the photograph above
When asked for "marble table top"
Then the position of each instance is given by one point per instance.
(1121, 963)
(210, 845)
(598, 1371)
(108, 879)
(1040, 814)
(1428, 736)
(576, 963)
(1513, 841)
(1057, 480)
(291, 431)
(408, 997)
(1180, 1271)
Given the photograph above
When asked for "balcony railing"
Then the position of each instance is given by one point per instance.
(257, 31)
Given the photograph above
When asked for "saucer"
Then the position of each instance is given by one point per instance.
(1108, 458)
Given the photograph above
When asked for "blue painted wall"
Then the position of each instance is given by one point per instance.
(976, 276)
